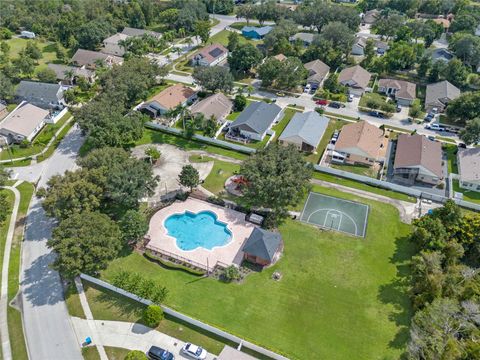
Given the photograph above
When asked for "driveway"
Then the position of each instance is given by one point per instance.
(132, 336)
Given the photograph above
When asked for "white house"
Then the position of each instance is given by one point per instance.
(210, 55)
(468, 161)
(23, 123)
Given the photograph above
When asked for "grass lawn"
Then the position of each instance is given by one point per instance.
(15, 326)
(72, 300)
(340, 297)
(222, 38)
(221, 171)
(114, 353)
(357, 169)
(106, 305)
(46, 47)
(90, 353)
(283, 123)
(235, 114)
(472, 196)
(333, 125)
(451, 151)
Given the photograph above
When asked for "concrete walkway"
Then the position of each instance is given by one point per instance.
(6, 348)
(89, 316)
(132, 336)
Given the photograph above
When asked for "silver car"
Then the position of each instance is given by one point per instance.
(194, 351)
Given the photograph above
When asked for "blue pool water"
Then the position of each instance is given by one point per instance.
(197, 230)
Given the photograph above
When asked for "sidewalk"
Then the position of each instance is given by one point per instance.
(127, 335)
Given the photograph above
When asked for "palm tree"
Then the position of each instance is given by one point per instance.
(69, 74)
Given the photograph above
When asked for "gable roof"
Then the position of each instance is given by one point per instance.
(309, 126)
(356, 74)
(305, 37)
(24, 119)
(280, 57)
(441, 54)
(217, 105)
(173, 96)
(371, 16)
(262, 31)
(257, 117)
(115, 38)
(211, 52)
(405, 89)
(317, 70)
(360, 41)
(61, 69)
(440, 93)
(263, 244)
(84, 57)
(418, 151)
(139, 32)
(362, 136)
(469, 164)
(38, 92)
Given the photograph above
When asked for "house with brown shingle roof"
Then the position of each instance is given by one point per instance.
(89, 59)
(168, 99)
(403, 91)
(210, 55)
(356, 78)
(217, 105)
(360, 143)
(317, 73)
(439, 94)
(468, 161)
(417, 159)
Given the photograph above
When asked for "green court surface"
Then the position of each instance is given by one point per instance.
(336, 214)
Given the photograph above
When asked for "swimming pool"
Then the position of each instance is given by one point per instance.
(202, 229)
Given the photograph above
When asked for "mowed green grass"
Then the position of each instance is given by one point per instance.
(46, 47)
(340, 297)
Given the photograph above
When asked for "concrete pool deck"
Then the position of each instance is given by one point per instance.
(230, 253)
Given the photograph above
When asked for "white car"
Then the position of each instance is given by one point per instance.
(435, 127)
(194, 351)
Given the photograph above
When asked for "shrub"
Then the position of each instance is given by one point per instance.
(140, 286)
(239, 103)
(231, 273)
(136, 355)
(152, 316)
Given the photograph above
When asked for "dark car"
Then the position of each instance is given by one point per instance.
(462, 145)
(157, 353)
(429, 117)
(376, 114)
(336, 105)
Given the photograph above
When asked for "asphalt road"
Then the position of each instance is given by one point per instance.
(47, 324)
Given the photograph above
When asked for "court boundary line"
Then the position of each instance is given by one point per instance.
(341, 214)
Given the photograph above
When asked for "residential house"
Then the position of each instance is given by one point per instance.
(317, 73)
(381, 47)
(23, 123)
(403, 91)
(229, 353)
(441, 55)
(468, 162)
(132, 32)
(280, 57)
(256, 33)
(305, 38)
(305, 130)
(439, 94)
(360, 143)
(358, 47)
(417, 159)
(210, 55)
(168, 99)
(45, 95)
(90, 59)
(112, 44)
(27, 34)
(254, 122)
(370, 16)
(444, 22)
(263, 247)
(355, 78)
(68, 75)
(217, 105)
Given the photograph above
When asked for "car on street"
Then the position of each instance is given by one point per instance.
(322, 102)
(194, 351)
(435, 127)
(350, 97)
(336, 105)
(376, 114)
(157, 353)
(462, 145)
(431, 138)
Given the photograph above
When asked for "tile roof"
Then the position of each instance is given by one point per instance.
(211, 52)
(263, 244)
(357, 74)
(405, 89)
(362, 136)
(217, 105)
(469, 164)
(173, 96)
(309, 126)
(440, 93)
(24, 119)
(257, 117)
(418, 151)
(317, 70)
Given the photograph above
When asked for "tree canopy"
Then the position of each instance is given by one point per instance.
(213, 78)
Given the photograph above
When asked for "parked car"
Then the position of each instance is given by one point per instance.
(336, 105)
(431, 138)
(435, 127)
(376, 114)
(157, 353)
(280, 94)
(350, 97)
(429, 117)
(462, 145)
(307, 88)
(194, 351)
(322, 102)
(398, 108)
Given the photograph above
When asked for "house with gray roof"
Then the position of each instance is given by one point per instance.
(263, 247)
(441, 55)
(23, 123)
(90, 59)
(305, 38)
(439, 94)
(139, 32)
(43, 95)
(305, 130)
(468, 161)
(254, 122)
(317, 73)
(68, 75)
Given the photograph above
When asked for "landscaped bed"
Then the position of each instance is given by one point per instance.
(340, 297)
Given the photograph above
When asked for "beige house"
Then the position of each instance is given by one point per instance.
(168, 99)
(217, 105)
(356, 78)
(317, 73)
(23, 123)
(403, 91)
(468, 161)
(89, 59)
(417, 159)
(360, 143)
